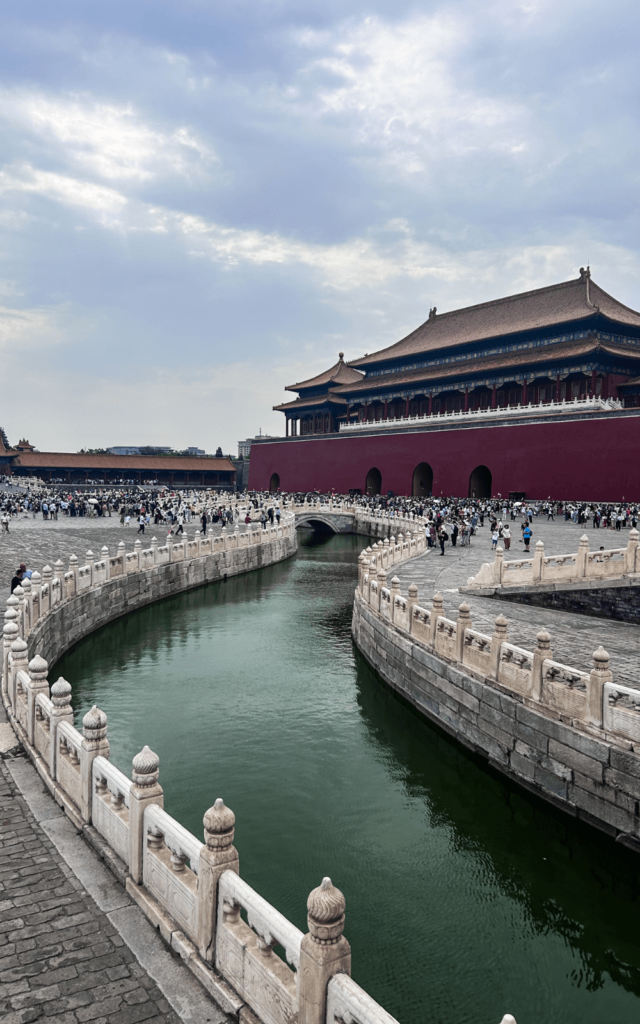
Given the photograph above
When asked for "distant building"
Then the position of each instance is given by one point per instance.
(195, 451)
(244, 447)
(124, 451)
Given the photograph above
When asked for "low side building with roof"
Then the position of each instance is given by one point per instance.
(24, 462)
(533, 393)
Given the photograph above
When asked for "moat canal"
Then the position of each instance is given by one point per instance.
(466, 898)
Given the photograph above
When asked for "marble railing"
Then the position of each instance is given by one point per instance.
(589, 404)
(585, 699)
(582, 566)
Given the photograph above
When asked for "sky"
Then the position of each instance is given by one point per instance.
(202, 202)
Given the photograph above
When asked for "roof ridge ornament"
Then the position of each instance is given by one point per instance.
(585, 275)
(432, 312)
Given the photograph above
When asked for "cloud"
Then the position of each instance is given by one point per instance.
(111, 141)
(400, 84)
(25, 329)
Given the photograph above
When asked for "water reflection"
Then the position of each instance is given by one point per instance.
(465, 897)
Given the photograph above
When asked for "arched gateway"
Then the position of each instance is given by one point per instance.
(374, 481)
(274, 483)
(422, 483)
(480, 483)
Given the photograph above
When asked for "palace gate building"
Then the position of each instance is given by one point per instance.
(536, 394)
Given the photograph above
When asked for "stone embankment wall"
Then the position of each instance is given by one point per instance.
(190, 890)
(601, 583)
(569, 736)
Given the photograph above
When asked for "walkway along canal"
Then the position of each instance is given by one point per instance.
(465, 895)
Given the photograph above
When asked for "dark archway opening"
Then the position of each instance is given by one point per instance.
(480, 483)
(274, 483)
(374, 481)
(422, 483)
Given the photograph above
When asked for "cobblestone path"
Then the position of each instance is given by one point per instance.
(73, 946)
(574, 637)
(38, 543)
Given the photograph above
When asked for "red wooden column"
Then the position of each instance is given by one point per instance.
(525, 392)
(466, 399)
(593, 383)
(385, 408)
(406, 411)
(493, 397)
(557, 387)
(430, 401)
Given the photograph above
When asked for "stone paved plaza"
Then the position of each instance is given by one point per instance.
(36, 542)
(573, 637)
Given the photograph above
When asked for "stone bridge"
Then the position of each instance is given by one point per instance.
(327, 520)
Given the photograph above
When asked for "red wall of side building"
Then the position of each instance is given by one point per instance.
(594, 459)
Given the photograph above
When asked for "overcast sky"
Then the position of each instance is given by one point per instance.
(202, 202)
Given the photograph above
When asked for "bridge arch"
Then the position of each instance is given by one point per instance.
(320, 523)
(480, 482)
(422, 482)
(373, 484)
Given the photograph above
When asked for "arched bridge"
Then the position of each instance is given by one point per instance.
(327, 520)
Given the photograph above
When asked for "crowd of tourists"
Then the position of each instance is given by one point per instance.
(447, 521)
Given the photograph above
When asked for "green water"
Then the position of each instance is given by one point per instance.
(466, 898)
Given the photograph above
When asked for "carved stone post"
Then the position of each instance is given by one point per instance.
(95, 742)
(60, 712)
(437, 608)
(47, 580)
(137, 548)
(26, 605)
(58, 570)
(104, 557)
(600, 675)
(144, 791)
(541, 653)
(89, 557)
(395, 592)
(632, 552)
(324, 951)
(497, 565)
(411, 600)
(464, 622)
(9, 634)
(499, 638)
(538, 563)
(18, 663)
(198, 538)
(38, 671)
(121, 555)
(218, 855)
(582, 557)
(73, 567)
(154, 548)
(382, 582)
(36, 589)
(18, 598)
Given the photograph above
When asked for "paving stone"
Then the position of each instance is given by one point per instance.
(574, 637)
(65, 962)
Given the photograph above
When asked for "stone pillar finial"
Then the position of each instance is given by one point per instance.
(632, 555)
(500, 637)
(437, 608)
(326, 906)
(463, 623)
(61, 712)
(146, 768)
(540, 655)
(598, 676)
(219, 854)
(145, 790)
(324, 951)
(94, 724)
(38, 669)
(582, 557)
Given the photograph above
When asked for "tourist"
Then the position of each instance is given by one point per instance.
(454, 534)
(16, 580)
(506, 536)
(495, 536)
(203, 523)
(443, 537)
(141, 523)
(526, 536)
(5, 523)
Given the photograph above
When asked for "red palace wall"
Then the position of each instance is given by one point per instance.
(589, 459)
